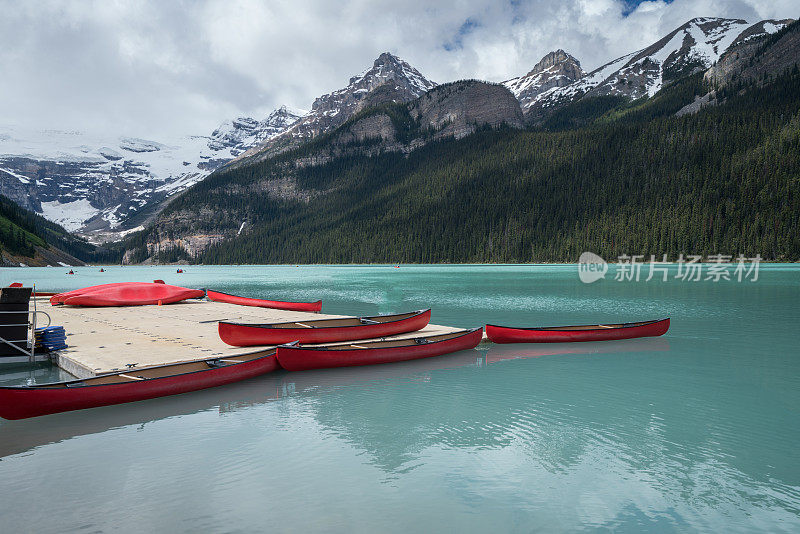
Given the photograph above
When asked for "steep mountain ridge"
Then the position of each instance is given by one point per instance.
(455, 109)
(389, 80)
(105, 187)
(752, 59)
(693, 47)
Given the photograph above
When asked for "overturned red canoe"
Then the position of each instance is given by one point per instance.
(128, 294)
(559, 334)
(323, 330)
(20, 402)
(297, 358)
(59, 298)
(260, 303)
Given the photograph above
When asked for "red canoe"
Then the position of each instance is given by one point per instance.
(296, 358)
(560, 334)
(260, 303)
(58, 298)
(322, 330)
(20, 402)
(127, 294)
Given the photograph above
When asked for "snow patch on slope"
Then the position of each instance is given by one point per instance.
(70, 215)
(23, 179)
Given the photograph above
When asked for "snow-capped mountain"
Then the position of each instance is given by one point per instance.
(242, 133)
(97, 185)
(390, 79)
(556, 69)
(100, 184)
(91, 183)
(694, 46)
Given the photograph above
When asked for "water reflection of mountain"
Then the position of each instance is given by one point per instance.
(632, 405)
(637, 405)
(396, 420)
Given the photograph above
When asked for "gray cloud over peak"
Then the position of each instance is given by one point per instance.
(164, 68)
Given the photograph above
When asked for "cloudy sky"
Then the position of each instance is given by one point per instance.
(168, 67)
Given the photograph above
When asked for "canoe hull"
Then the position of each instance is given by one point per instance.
(241, 335)
(304, 359)
(24, 402)
(216, 296)
(502, 334)
(127, 294)
(59, 298)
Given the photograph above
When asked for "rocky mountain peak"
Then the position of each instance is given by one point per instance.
(387, 67)
(283, 117)
(554, 58)
(556, 69)
(389, 79)
(242, 133)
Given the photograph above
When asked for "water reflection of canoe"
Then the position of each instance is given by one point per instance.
(348, 376)
(497, 353)
(261, 303)
(23, 435)
(561, 334)
(20, 402)
(297, 358)
(323, 330)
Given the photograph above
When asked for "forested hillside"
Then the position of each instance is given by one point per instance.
(631, 179)
(708, 165)
(26, 235)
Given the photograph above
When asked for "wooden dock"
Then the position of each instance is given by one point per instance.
(101, 340)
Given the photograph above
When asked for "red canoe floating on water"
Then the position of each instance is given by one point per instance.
(296, 358)
(126, 294)
(322, 330)
(260, 303)
(559, 334)
(20, 402)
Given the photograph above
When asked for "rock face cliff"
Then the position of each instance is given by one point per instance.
(454, 109)
(457, 109)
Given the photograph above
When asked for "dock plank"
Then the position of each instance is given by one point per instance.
(101, 340)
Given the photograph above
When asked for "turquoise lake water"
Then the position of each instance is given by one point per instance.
(694, 431)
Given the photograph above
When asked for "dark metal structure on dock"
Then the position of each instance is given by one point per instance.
(17, 325)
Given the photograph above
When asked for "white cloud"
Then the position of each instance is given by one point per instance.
(152, 68)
